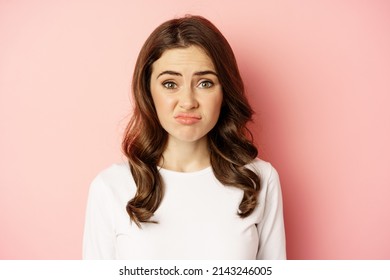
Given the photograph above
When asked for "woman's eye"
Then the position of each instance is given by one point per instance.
(206, 84)
(169, 85)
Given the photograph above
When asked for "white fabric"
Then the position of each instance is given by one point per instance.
(197, 218)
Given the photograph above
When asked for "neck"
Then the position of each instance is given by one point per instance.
(186, 157)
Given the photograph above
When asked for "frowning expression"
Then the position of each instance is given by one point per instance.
(186, 93)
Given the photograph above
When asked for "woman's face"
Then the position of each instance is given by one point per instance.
(186, 93)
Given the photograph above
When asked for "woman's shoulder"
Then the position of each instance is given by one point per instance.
(115, 179)
(263, 168)
(270, 194)
(116, 172)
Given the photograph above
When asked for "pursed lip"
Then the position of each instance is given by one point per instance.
(187, 118)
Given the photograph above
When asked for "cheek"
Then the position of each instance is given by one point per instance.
(216, 105)
(213, 110)
(162, 104)
(164, 107)
(158, 100)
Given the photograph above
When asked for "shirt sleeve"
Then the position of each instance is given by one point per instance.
(99, 235)
(272, 245)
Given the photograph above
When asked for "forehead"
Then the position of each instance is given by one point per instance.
(185, 58)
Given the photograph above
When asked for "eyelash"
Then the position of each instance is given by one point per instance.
(173, 85)
(210, 84)
(169, 85)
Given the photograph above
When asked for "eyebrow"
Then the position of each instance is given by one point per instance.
(199, 73)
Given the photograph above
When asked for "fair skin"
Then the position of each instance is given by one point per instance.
(188, 96)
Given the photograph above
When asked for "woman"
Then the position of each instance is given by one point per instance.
(192, 187)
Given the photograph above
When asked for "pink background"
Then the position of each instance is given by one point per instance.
(317, 73)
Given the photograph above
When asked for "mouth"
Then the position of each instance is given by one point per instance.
(187, 118)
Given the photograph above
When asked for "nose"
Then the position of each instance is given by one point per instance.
(188, 99)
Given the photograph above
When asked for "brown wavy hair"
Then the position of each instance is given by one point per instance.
(230, 142)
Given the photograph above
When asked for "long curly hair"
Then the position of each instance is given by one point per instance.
(230, 142)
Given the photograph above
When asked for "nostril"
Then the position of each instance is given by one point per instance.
(189, 106)
(188, 103)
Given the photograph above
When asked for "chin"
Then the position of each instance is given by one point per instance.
(189, 138)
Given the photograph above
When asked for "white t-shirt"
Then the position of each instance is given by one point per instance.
(197, 218)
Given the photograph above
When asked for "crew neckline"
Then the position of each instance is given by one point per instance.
(179, 173)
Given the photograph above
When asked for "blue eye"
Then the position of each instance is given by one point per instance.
(206, 84)
(169, 85)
